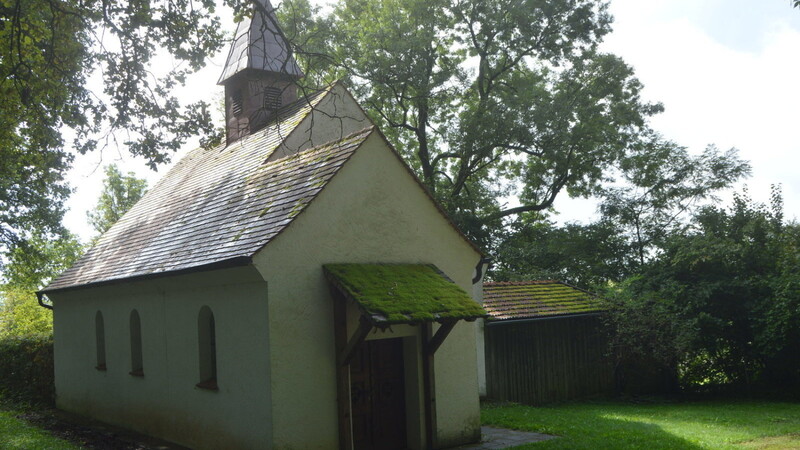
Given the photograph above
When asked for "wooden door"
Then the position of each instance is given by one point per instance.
(377, 392)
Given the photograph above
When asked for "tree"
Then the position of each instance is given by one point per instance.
(31, 265)
(490, 98)
(588, 256)
(729, 288)
(50, 49)
(120, 193)
(661, 185)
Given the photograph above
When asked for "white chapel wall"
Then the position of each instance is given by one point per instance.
(165, 402)
(372, 211)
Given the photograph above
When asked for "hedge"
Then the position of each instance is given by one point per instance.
(26, 369)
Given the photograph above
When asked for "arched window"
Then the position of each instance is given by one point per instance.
(137, 369)
(100, 340)
(207, 344)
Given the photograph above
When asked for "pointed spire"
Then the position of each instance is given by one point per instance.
(260, 44)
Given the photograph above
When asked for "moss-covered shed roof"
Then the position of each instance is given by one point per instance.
(403, 293)
(533, 299)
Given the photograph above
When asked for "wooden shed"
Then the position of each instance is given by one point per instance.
(544, 343)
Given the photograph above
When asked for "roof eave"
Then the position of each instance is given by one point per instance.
(238, 261)
(513, 320)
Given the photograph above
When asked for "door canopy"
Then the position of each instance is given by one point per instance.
(389, 294)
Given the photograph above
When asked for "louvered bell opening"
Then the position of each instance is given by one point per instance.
(237, 105)
(272, 98)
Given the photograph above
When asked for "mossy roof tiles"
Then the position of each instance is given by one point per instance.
(215, 206)
(403, 293)
(534, 299)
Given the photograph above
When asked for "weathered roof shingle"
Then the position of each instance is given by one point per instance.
(532, 299)
(259, 44)
(215, 205)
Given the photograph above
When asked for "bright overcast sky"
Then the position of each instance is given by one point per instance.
(727, 72)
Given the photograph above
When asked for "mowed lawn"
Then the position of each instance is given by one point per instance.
(667, 425)
(18, 434)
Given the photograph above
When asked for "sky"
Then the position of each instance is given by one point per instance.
(727, 72)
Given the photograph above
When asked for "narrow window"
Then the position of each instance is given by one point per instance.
(237, 104)
(137, 369)
(272, 98)
(100, 339)
(207, 340)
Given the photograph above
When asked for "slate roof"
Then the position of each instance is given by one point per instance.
(534, 299)
(215, 206)
(259, 44)
(402, 293)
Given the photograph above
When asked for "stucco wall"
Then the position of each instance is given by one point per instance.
(165, 402)
(372, 211)
(335, 116)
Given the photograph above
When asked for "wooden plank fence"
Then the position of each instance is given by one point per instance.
(542, 361)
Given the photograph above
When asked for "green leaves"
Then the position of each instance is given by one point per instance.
(30, 265)
(50, 50)
(120, 193)
(489, 99)
(730, 288)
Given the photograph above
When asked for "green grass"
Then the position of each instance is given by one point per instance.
(17, 434)
(679, 425)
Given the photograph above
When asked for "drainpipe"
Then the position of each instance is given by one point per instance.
(480, 269)
(40, 296)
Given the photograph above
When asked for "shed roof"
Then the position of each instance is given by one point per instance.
(216, 205)
(260, 44)
(534, 299)
(403, 293)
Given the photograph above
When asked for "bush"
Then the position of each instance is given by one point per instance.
(26, 369)
(21, 315)
(721, 302)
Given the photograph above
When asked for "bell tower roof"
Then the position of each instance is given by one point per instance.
(260, 44)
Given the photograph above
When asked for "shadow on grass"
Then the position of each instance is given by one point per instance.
(583, 430)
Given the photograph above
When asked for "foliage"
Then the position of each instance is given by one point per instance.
(21, 315)
(662, 184)
(484, 96)
(120, 193)
(581, 255)
(50, 49)
(722, 300)
(26, 368)
(728, 424)
(31, 265)
(659, 186)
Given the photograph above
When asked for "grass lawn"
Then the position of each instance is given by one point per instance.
(17, 434)
(668, 425)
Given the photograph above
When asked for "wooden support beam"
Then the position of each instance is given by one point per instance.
(429, 387)
(364, 327)
(342, 372)
(440, 336)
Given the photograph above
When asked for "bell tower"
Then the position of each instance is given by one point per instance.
(259, 74)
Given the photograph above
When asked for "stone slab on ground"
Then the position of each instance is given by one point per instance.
(493, 438)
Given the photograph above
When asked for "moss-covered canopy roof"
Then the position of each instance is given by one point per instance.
(403, 293)
(530, 299)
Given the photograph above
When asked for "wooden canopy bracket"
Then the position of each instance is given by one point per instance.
(439, 337)
(349, 351)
